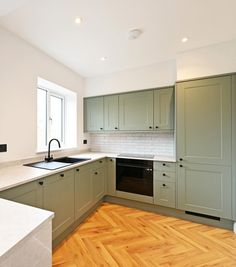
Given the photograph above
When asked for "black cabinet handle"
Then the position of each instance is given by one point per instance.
(164, 185)
(181, 165)
(164, 174)
(41, 183)
(62, 175)
(77, 170)
(181, 159)
(163, 164)
(150, 127)
(157, 127)
(95, 173)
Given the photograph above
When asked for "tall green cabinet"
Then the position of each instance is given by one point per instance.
(204, 146)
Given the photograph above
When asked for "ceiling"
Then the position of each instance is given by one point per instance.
(49, 25)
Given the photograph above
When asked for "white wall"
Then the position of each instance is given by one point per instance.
(20, 65)
(206, 61)
(158, 75)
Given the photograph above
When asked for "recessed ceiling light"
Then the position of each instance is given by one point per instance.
(103, 58)
(184, 40)
(134, 34)
(78, 20)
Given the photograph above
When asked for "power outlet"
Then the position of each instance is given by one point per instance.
(85, 142)
(3, 148)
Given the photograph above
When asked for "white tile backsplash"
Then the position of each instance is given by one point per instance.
(139, 143)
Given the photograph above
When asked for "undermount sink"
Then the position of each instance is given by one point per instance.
(56, 163)
(70, 160)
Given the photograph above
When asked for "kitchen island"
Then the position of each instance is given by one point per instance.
(25, 235)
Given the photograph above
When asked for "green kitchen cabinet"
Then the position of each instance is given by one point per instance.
(111, 176)
(204, 121)
(99, 181)
(29, 194)
(234, 145)
(164, 109)
(164, 193)
(58, 196)
(111, 113)
(205, 189)
(93, 114)
(83, 189)
(136, 111)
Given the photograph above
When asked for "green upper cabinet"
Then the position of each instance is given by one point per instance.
(58, 196)
(111, 114)
(204, 121)
(136, 111)
(93, 114)
(164, 109)
(28, 194)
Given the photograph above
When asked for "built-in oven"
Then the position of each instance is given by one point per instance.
(134, 176)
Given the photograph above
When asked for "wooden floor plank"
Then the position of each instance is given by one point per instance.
(119, 236)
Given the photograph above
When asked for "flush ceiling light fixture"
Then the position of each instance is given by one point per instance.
(78, 20)
(184, 39)
(103, 58)
(134, 34)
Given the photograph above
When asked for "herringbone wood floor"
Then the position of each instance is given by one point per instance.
(119, 236)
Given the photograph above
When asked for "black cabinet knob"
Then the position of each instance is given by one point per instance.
(156, 127)
(62, 175)
(95, 173)
(181, 159)
(116, 128)
(100, 161)
(181, 165)
(110, 159)
(164, 185)
(41, 183)
(77, 170)
(163, 164)
(164, 174)
(101, 128)
(150, 127)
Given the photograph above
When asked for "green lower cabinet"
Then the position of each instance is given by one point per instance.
(99, 183)
(29, 194)
(205, 189)
(111, 176)
(83, 190)
(58, 196)
(164, 193)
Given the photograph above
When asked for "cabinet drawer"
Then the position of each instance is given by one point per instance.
(164, 194)
(164, 166)
(99, 163)
(164, 176)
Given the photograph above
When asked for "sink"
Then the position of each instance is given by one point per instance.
(70, 160)
(56, 163)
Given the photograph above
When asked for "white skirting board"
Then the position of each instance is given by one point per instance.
(235, 227)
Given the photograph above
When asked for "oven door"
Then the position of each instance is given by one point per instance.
(134, 176)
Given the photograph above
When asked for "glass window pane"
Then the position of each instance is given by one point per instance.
(56, 118)
(42, 117)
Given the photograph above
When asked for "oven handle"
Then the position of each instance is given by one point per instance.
(134, 166)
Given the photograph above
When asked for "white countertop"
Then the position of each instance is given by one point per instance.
(15, 175)
(17, 222)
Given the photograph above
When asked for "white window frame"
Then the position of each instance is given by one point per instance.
(48, 105)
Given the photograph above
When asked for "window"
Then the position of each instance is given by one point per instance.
(50, 116)
(56, 115)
